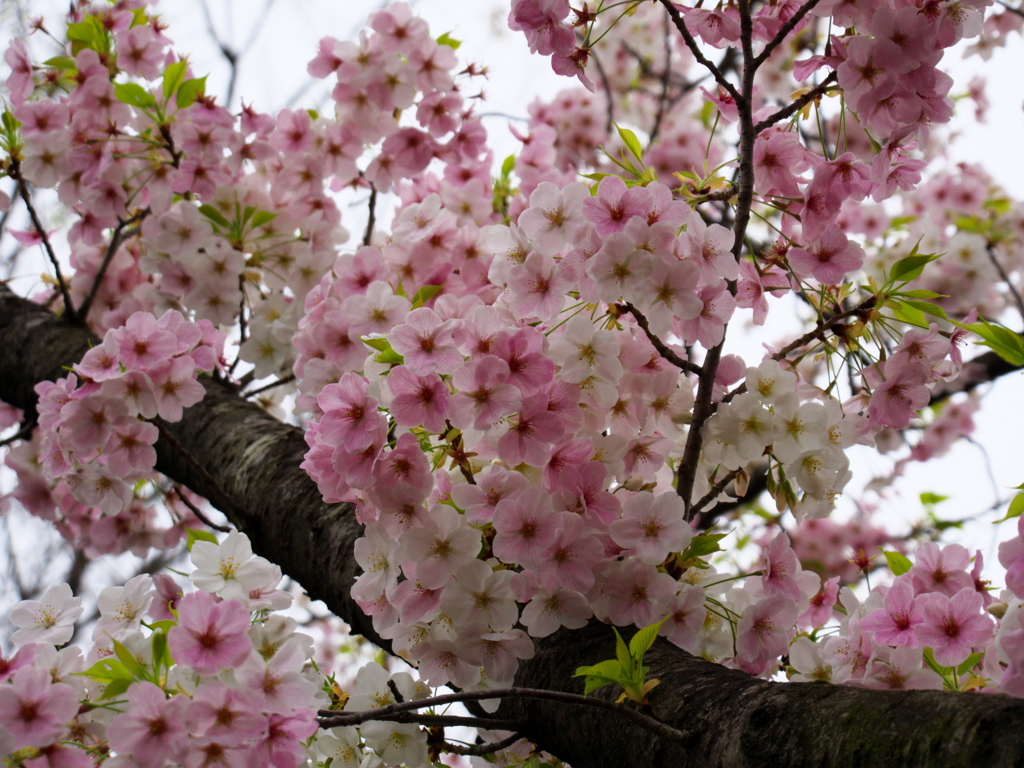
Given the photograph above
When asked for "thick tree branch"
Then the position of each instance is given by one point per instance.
(729, 718)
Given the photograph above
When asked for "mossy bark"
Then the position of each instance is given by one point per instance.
(729, 718)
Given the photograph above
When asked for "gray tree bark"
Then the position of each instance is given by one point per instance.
(728, 718)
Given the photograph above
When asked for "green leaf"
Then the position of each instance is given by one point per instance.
(927, 307)
(644, 639)
(921, 293)
(425, 294)
(161, 653)
(929, 659)
(174, 76)
(129, 660)
(898, 562)
(910, 267)
(599, 675)
(197, 534)
(11, 123)
(61, 62)
(85, 34)
(389, 357)
(107, 669)
(262, 217)
(189, 91)
(626, 661)
(929, 499)
(970, 663)
(116, 688)
(1015, 509)
(702, 545)
(1004, 342)
(378, 344)
(608, 668)
(905, 313)
(451, 42)
(134, 95)
(508, 165)
(631, 141)
(215, 216)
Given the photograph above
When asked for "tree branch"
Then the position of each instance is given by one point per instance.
(15, 173)
(330, 719)
(816, 92)
(663, 349)
(119, 236)
(783, 33)
(703, 60)
(728, 718)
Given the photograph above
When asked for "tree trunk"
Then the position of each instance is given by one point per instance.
(728, 718)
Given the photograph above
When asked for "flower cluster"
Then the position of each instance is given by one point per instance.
(522, 390)
(97, 432)
(214, 675)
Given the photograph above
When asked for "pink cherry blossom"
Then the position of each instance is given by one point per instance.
(34, 709)
(152, 730)
(210, 635)
(896, 623)
(614, 205)
(953, 626)
(427, 343)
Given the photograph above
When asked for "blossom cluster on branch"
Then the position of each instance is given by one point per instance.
(523, 387)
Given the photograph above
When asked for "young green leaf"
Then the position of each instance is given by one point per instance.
(174, 76)
(898, 562)
(425, 294)
(631, 141)
(134, 95)
(643, 640)
(626, 660)
(1015, 509)
(189, 91)
(262, 217)
(197, 534)
(910, 267)
(215, 216)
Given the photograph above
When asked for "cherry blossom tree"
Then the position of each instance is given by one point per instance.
(505, 424)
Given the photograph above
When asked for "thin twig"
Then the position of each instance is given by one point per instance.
(783, 32)
(479, 750)
(15, 173)
(659, 345)
(368, 235)
(430, 721)
(663, 99)
(714, 493)
(815, 333)
(609, 103)
(703, 60)
(1011, 8)
(1006, 278)
(119, 236)
(196, 511)
(703, 406)
(25, 431)
(329, 719)
(816, 92)
(224, 498)
(259, 390)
